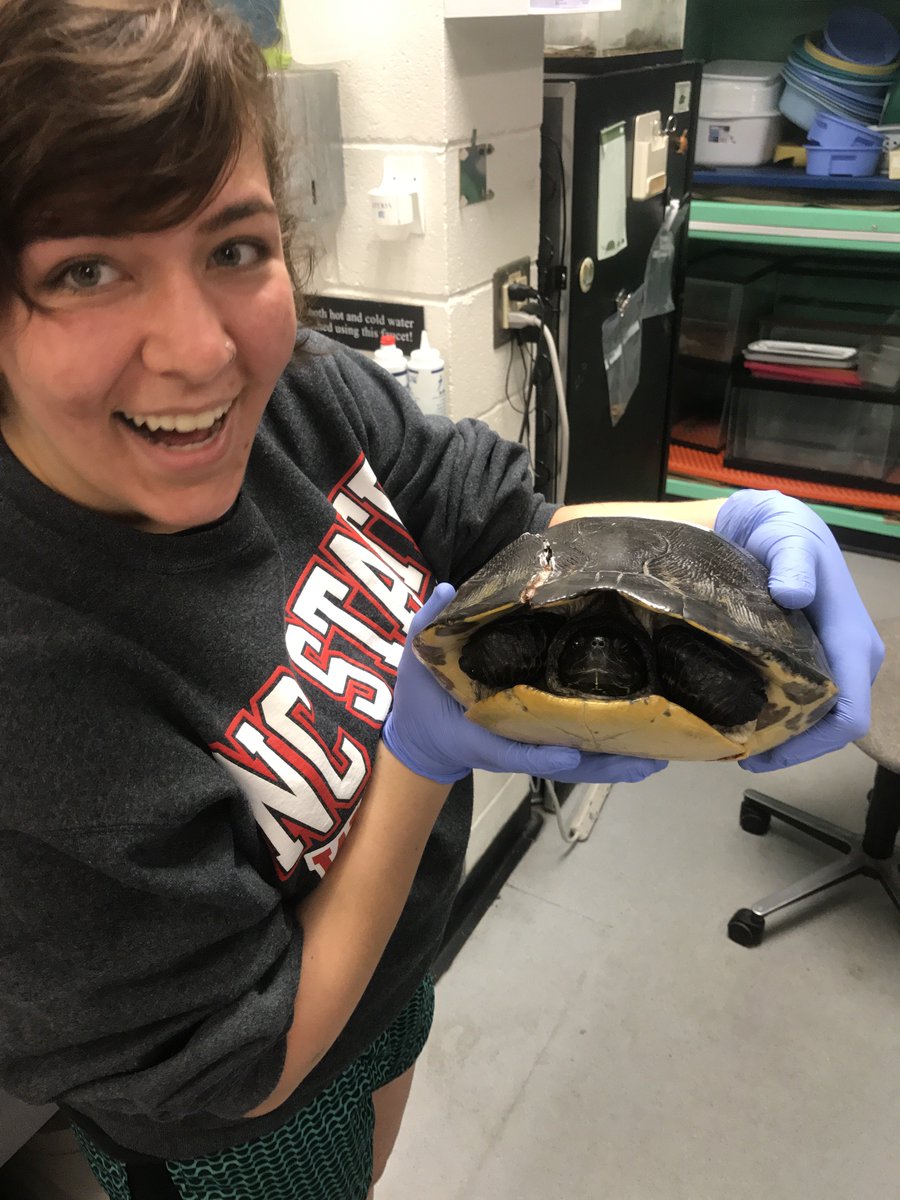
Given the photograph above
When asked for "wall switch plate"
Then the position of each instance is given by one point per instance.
(514, 272)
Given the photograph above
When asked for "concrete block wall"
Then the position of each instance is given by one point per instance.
(414, 84)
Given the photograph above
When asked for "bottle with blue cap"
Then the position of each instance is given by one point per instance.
(426, 378)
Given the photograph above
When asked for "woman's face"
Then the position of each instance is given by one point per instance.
(138, 393)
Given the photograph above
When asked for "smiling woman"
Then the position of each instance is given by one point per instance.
(234, 807)
(139, 365)
(146, 295)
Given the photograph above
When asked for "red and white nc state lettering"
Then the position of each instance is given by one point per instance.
(345, 626)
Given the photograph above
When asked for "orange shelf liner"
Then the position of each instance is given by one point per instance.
(699, 464)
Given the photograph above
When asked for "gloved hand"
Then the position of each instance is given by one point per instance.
(428, 731)
(807, 570)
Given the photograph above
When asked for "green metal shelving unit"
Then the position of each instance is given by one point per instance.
(862, 230)
(796, 225)
(857, 519)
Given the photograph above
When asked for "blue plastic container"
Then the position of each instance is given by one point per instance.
(821, 160)
(797, 106)
(866, 92)
(837, 101)
(800, 55)
(837, 133)
(801, 104)
(861, 35)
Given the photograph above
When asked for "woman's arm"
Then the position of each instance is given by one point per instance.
(348, 919)
(350, 916)
(699, 512)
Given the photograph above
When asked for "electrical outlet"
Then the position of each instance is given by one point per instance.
(514, 272)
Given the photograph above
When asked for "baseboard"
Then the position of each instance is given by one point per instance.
(483, 883)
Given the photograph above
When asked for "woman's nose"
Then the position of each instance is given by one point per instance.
(185, 333)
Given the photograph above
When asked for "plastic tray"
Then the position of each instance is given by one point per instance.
(821, 160)
(837, 133)
(823, 351)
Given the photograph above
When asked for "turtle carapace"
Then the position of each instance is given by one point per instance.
(629, 635)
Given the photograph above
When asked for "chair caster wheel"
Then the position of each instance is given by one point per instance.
(746, 928)
(754, 818)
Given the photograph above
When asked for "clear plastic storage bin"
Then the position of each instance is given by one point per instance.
(699, 389)
(725, 296)
(849, 296)
(879, 363)
(851, 436)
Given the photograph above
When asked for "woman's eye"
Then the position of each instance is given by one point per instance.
(85, 276)
(239, 254)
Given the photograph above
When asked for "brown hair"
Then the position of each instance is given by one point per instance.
(124, 116)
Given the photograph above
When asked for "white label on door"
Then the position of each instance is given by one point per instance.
(612, 195)
(682, 101)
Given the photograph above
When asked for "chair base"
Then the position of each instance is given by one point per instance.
(873, 853)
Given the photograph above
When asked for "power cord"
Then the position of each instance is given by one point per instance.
(521, 291)
(523, 320)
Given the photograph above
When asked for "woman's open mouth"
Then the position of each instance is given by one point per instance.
(181, 431)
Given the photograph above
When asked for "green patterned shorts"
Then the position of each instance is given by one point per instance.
(324, 1152)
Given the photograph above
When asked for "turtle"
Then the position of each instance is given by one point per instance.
(629, 635)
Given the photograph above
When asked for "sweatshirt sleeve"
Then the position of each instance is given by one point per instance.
(147, 967)
(461, 490)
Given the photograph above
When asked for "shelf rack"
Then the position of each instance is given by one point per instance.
(812, 227)
(858, 520)
(796, 225)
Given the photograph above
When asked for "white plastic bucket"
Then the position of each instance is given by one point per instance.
(741, 141)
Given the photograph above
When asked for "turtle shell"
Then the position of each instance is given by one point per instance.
(651, 575)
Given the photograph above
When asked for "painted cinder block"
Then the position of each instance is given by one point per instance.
(494, 78)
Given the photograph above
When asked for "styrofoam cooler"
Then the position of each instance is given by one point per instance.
(739, 121)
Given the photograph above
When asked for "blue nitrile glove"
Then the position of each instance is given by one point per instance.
(428, 731)
(807, 570)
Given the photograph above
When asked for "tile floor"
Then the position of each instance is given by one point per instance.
(599, 1037)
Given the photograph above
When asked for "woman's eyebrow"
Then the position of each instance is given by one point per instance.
(237, 212)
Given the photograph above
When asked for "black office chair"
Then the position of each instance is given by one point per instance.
(874, 853)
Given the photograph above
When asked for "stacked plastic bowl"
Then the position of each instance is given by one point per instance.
(846, 70)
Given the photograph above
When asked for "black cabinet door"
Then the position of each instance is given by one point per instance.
(625, 460)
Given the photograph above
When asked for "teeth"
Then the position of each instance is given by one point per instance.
(182, 423)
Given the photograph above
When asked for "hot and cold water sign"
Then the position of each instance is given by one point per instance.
(360, 323)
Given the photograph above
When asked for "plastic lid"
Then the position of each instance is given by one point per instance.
(388, 339)
(740, 70)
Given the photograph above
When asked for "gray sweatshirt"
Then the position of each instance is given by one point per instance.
(188, 726)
